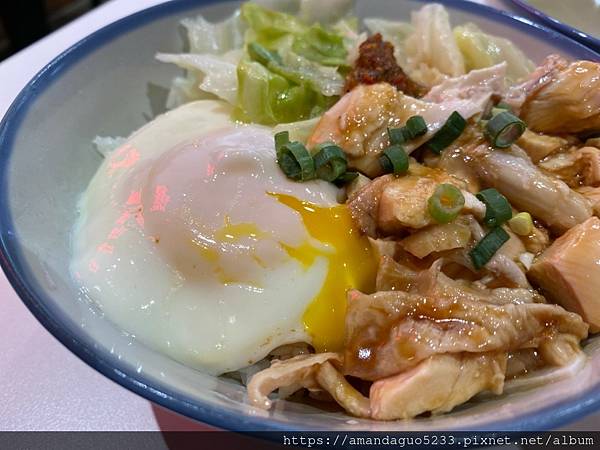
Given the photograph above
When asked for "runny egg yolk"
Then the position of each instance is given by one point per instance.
(351, 261)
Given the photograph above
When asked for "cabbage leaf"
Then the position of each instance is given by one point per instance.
(484, 50)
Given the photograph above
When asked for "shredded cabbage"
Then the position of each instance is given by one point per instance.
(275, 30)
(268, 98)
(299, 85)
(214, 38)
(484, 50)
(431, 49)
(218, 73)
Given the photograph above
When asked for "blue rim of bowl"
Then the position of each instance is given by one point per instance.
(35, 299)
(564, 28)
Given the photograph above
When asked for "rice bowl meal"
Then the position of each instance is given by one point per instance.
(390, 218)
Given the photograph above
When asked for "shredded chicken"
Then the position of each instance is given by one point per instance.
(297, 372)
(569, 102)
(332, 381)
(568, 271)
(529, 189)
(390, 205)
(437, 384)
(538, 146)
(540, 77)
(576, 168)
(390, 332)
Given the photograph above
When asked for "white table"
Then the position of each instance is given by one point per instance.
(42, 385)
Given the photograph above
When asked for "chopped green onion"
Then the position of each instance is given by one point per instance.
(416, 126)
(487, 247)
(345, 178)
(521, 224)
(397, 136)
(394, 160)
(281, 138)
(330, 161)
(296, 162)
(497, 208)
(262, 55)
(445, 203)
(450, 131)
(504, 128)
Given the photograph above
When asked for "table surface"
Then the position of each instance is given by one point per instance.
(42, 385)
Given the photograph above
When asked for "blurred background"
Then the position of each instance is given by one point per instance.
(22, 22)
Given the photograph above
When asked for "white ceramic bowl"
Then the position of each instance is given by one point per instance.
(110, 84)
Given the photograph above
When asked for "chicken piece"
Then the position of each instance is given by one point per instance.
(523, 361)
(364, 205)
(568, 103)
(392, 276)
(503, 264)
(560, 350)
(403, 201)
(452, 159)
(437, 238)
(294, 373)
(541, 76)
(358, 122)
(592, 194)
(389, 203)
(593, 142)
(529, 189)
(437, 384)
(576, 167)
(403, 204)
(538, 146)
(434, 283)
(569, 271)
(390, 332)
(537, 241)
(343, 392)
(474, 84)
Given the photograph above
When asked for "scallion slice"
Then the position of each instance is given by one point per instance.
(504, 129)
(394, 160)
(487, 247)
(330, 161)
(497, 208)
(281, 138)
(446, 203)
(450, 131)
(296, 162)
(262, 55)
(416, 126)
(397, 136)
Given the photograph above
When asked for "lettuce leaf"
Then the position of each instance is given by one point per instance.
(268, 98)
(484, 50)
(274, 29)
(218, 73)
(215, 38)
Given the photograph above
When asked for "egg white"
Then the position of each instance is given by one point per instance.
(154, 247)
